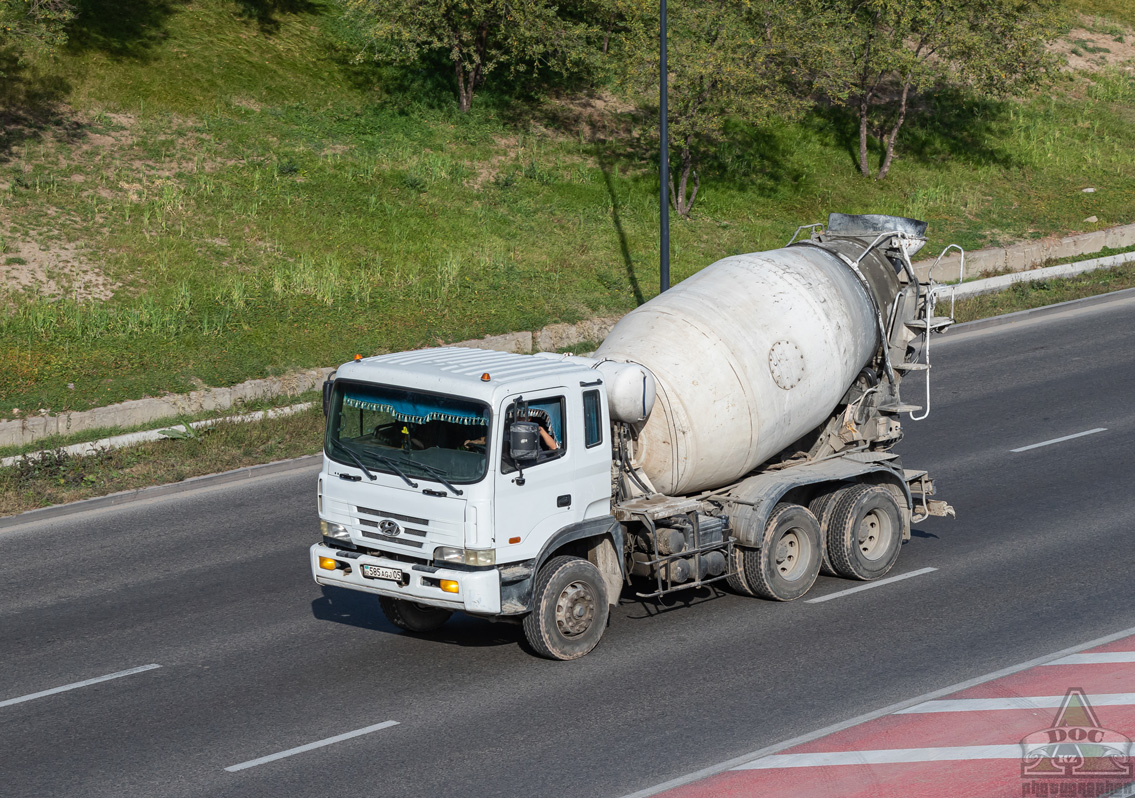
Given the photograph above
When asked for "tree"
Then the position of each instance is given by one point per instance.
(887, 50)
(30, 26)
(478, 36)
(725, 58)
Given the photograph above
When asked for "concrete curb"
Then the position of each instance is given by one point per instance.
(157, 491)
(1037, 313)
(990, 285)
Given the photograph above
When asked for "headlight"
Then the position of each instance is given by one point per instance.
(466, 556)
(334, 531)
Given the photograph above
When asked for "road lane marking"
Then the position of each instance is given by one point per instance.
(752, 756)
(870, 585)
(1060, 440)
(77, 685)
(1098, 658)
(887, 756)
(1014, 702)
(311, 746)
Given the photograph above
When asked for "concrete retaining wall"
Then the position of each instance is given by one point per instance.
(1018, 257)
(1027, 254)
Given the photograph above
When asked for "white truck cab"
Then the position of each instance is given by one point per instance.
(422, 499)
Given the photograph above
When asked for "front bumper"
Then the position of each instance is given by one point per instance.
(479, 591)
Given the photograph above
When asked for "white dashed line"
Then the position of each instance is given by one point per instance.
(870, 585)
(1060, 440)
(77, 685)
(311, 746)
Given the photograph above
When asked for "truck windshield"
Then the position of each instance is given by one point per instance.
(408, 433)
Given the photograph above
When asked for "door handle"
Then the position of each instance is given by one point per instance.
(563, 501)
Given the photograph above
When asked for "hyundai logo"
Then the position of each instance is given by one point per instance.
(390, 529)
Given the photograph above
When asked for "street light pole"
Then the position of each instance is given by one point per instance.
(664, 167)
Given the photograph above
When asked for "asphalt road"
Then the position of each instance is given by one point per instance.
(255, 659)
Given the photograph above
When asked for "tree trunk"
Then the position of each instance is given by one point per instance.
(464, 89)
(468, 81)
(683, 204)
(863, 167)
(893, 135)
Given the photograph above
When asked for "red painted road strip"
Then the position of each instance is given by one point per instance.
(964, 754)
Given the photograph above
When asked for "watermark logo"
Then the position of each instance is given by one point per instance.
(1076, 756)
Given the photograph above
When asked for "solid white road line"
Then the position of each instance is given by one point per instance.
(77, 685)
(1014, 702)
(769, 750)
(1099, 658)
(870, 585)
(887, 756)
(311, 746)
(1060, 440)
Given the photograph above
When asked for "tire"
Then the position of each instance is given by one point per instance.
(864, 532)
(413, 617)
(786, 565)
(569, 609)
(821, 507)
(736, 579)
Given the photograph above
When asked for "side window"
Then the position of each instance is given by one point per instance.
(549, 414)
(592, 419)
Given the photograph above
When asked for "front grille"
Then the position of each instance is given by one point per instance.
(408, 530)
(384, 514)
(398, 541)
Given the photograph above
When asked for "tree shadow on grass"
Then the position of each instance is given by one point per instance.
(943, 124)
(32, 107)
(120, 28)
(267, 13)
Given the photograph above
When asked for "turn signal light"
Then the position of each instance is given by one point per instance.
(327, 564)
(449, 586)
(514, 540)
(485, 377)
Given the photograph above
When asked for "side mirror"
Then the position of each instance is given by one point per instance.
(524, 441)
(327, 386)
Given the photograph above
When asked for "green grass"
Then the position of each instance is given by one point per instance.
(256, 204)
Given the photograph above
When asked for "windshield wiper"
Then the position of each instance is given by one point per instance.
(438, 474)
(355, 457)
(394, 467)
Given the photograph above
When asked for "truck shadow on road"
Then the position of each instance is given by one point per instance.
(362, 611)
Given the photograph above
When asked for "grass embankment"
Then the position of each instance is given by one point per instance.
(224, 197)
(58, 478)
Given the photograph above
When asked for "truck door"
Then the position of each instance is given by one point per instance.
(534, 499)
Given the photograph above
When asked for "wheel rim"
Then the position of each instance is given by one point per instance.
(874, 535)
(791, 555)
(575, 609)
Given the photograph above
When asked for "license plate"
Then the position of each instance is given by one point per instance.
(381, 572)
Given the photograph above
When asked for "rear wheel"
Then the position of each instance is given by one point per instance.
(821, 507)
(411, 616)
(864, 532)
(786, 565)
(569, 609)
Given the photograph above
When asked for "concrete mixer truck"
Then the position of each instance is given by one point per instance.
(737, 429)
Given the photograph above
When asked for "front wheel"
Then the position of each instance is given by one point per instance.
(569, 609)
(411, 616)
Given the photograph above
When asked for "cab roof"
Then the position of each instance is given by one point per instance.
(458, 370)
